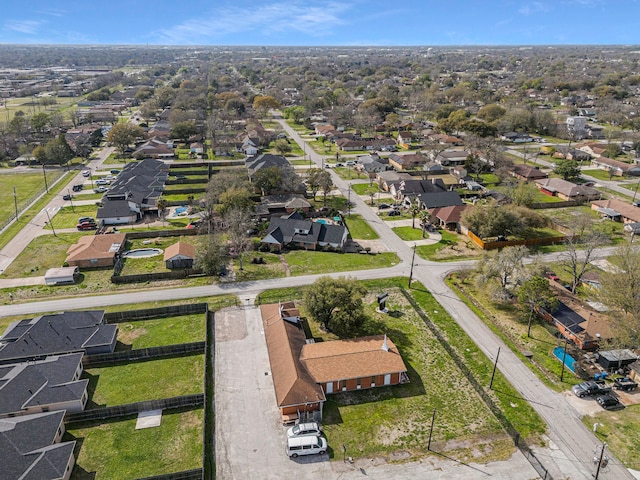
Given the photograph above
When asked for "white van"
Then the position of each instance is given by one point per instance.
(309, 445)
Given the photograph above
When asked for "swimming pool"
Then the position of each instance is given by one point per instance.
(569, 361)
(180, 210)
(142, 253)
(321, 220)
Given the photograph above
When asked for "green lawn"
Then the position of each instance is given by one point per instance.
(600, 174)
(161, 331)
(272, 267)
(451, 247)
(27, 185)
(117, 451)
(67, 217)
(409, 234)
(362, 188)
(359, 228)
(621, 431)
(349, 173)
(305, 263)
(155, 264)
(42, 253)
(139, 381)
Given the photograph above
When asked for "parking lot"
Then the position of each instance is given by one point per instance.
(250, 438)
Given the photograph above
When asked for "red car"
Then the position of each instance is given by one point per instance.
(86, 226)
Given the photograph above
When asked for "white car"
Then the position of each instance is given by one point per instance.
(86, 173)
(304, 429)
(309, 445)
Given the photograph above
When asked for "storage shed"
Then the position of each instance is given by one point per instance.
(179, 255)
(615, 359)
(57, 276)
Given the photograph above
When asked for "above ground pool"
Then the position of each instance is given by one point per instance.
(142, 252)
(569, 361)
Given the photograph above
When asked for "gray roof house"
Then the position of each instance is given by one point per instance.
(45, 385)
(265, 160)
(298, 231)
(81, 331)
(439, 200)
(30, 447)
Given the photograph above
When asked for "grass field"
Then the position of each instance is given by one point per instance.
(139, 381)
(117, 451)
(67, 217)
(27, 185)
(161, 331)
(409, 234)
(306, 263)
(155, 264)
(621, 431)
(451, 247)
(359, 228)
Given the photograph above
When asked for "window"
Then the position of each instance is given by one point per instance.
(373, 381)
(344, 385)
(359, 381)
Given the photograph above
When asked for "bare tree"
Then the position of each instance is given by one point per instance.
(581, 245)
(238, 221)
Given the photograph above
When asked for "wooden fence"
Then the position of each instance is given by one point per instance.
(530, 242)
(149, 277)
(143, 354)
(196, 474)
(160, 312)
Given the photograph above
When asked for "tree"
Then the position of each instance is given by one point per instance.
(491, 220)
(535, 293)
(234, 198)
(210, 254)
(58, 151)
(238, 220)
(268, 179)
(491, 113)
(425, 218)
(337, 304)
(262, 103)
(506, 266)
(122, 135)
(326, 185)
(414, 210)
(39, 122)
(621, 291)
(524, 194)
(314, 180)
(580, 251)
(371, 190)
(183, 130)
(282, 146)
(567, 169)
(162, 205)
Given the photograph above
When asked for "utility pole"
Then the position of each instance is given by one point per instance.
(349, 200)
(15, 201)
(564, 357)
(601, 460)
(413, 261)
(50, 223)
(44, 174)
(493, 374)
(433, 420)
(71, 200)
(635, 192)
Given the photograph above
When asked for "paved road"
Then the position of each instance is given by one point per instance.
(32, 229)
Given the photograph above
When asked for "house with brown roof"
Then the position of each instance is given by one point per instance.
(407, 161)
(179, 255)
(616, 209)
(567, 190)
(616, 167)
(92, 251)
(527, 173)
(304, 371)
(448, 217)
(297, 394)
(354, 364)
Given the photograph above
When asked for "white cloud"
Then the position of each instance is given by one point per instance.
(307, 18)
(533, 8)
(30, 27)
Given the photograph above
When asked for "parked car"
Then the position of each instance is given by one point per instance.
(610, 402)
(384, 206)
(86, 226)
(339, 165)
(350, 163)
(304, 429)
(86, 220)
(67, 197)
(394, 213)
(100, 189)
(86, 173)
(115, 171)
(194, 224)
(103, 181)
(552, 276)
(77, 188)
(306, 446)
(625, 384)
(590, 388)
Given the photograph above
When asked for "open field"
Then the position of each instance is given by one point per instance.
(305, 263)
(161, 331)
(451, 247)
(67, 217)
(117, 451)
(359, 228)
(621, 431)
(139, 381)
(27, 186)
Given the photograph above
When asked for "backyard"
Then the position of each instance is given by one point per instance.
(359, 228)
(162, 331)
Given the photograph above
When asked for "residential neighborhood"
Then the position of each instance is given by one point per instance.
(319, 263)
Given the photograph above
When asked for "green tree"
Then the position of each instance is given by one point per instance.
(491, 220)
(235, 198)
(506, 266)
(238, 221)
(524, 194)
(414, 210)
(567, 169)
(58, 151)
(262, 104)
(425, 218)
(337, 304)
(534, 294)
(268, 179)
(491, 113)
(39, 122)
(183, 130)
(162, 205)
(210, 254)
(282, 146)
(122, 135)
(314, 180)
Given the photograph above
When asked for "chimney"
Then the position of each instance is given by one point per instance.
(385, 345)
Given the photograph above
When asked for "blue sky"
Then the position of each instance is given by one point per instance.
(320, 22)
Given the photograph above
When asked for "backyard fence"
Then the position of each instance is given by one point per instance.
(149, 277)
(160, 312)
(129, 409)
(208, 433)
(196, 474)
(529, 242)
(489, 401)
(143, 354)
(161, 233)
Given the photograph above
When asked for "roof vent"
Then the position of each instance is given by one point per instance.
(385, 345)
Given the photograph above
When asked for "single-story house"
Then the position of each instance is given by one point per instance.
(405, 139)
(61, 275)
(44, 385)
(118, 212)
(439, 199)
(451, 158)
(566, 190)
(527, 173)
(297, 394)
(196, 148)
(624, 211)
(388, 177)
(31, 447)
(285, 203)
(354, 364)
(92, 251)
(67, 332)
(297, 231)
(616, 167)
(408, 189)
(448, 217)
(406, 161)
(516, 137)
(179, 255)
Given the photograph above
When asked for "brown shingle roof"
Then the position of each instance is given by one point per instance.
(354, 358)
(95, 246)
(179, 248)
(292, 383)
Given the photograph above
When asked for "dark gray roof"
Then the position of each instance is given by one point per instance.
(299, 230)
(440, 199)
(43, 383)
(265, 160)
(114, 208)
(54, 334)
(27, 448)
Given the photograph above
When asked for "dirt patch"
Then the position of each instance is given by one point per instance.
(128, 333)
